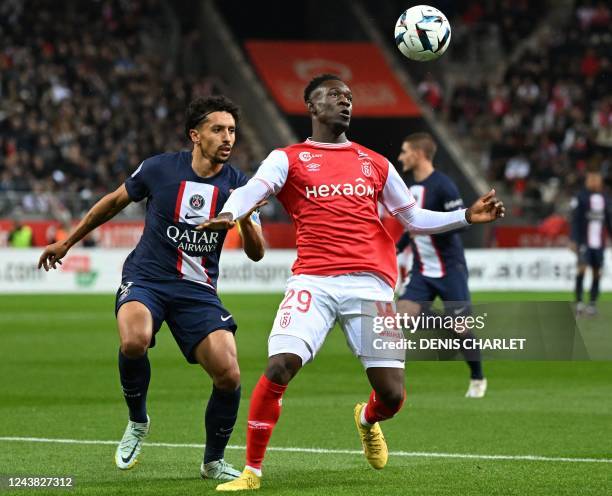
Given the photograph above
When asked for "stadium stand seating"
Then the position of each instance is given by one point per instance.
(80, 109)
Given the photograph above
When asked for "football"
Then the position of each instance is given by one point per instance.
(422, 33)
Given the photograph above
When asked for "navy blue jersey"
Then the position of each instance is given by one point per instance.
(590, 218)
(434, 254)
(177, 201)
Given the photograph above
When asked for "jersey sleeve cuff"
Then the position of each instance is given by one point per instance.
(228, 211)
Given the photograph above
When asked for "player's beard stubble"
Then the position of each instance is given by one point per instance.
(218, 155)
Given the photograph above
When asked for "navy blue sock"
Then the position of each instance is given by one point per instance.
(579, 285)
(135, 374)
(475, 369)
(472, 358)
(595, 289)
(220, 417)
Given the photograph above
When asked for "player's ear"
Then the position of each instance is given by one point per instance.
(194, 135)
(312, 110)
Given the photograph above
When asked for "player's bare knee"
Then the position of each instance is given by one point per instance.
(283, 367)
(134, 342)
(228, 379)
(135, 329)
(392, 397)
(134, 346)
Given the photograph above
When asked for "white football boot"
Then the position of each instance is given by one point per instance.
(127, 452)
(477, 388)
(591, 310)
(219, 470)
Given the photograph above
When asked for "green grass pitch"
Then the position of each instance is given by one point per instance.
(59, 380)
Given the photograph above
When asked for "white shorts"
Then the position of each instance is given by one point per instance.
(313, 304)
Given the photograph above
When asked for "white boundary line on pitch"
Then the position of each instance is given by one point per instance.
(415, 454)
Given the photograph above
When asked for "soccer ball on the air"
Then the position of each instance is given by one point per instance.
(422, 33)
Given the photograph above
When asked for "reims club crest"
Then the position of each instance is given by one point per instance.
(285, 319)
(366, 168)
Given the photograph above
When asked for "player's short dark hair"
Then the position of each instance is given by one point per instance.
(316, 82)
(198, 110)
(423, 141)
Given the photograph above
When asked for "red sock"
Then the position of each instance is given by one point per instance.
(376, 410)
(263, 413)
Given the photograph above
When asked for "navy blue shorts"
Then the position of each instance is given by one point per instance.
(191, 311)
(452, 289)
(593, 257)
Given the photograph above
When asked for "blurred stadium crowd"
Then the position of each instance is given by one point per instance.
(79, 109)
(549, 116)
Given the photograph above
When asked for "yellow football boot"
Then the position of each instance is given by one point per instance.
(372, 440)
(247, 481)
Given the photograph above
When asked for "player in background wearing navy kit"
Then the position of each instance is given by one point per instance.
(439, 268)
(590, 219)
(171, 275)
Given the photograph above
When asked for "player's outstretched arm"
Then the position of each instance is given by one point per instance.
(104, 210)
(421, 221)
(252, 237)
(399, 201)
(240, 204)
(227, 218)
(268, 180)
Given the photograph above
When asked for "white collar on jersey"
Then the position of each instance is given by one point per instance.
(347, 144)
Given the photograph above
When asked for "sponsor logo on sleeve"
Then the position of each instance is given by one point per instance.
(453, 204)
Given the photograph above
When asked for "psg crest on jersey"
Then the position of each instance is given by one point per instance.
(366, 168)
(196, 202)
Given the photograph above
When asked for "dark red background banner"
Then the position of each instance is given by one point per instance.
(286, 68)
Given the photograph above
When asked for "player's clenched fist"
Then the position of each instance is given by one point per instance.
(486, 209)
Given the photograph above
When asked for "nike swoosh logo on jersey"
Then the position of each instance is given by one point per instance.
(226, 318)
(187, 216)
(129, 457)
